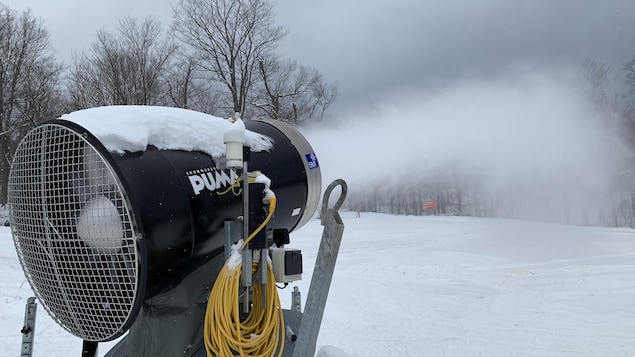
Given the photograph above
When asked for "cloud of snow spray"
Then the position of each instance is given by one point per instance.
(531, 141)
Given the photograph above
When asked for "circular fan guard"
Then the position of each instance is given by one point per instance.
(62, 194)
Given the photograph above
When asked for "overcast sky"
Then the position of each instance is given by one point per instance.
(374, 47)
(469, 87)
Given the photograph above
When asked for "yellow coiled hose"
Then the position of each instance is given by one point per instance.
(262, 330)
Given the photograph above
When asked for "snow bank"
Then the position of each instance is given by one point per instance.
(330, 351)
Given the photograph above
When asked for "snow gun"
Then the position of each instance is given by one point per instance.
(171, 252)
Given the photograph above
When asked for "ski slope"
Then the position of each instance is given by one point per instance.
(435, 286)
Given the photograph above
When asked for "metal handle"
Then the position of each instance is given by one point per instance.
(338, 204)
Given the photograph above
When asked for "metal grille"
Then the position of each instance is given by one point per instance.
(73, 232)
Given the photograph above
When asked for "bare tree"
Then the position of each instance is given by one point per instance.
(618, 108)
(126, 68)
(229, 37)
(291, 92)
(596, 82)
(629, 95)
(42, 96)
(181, 81)
(188, 89)
(29, 76)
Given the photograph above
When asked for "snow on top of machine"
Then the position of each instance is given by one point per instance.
(133, 128)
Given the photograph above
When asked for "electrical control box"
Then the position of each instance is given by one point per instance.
(287, 264)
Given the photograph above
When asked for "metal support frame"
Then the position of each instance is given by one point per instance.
(28, 330)
(322, 273)
(89, 348)
(296, 299)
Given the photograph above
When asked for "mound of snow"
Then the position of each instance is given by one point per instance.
(330, 351)
(132, 128)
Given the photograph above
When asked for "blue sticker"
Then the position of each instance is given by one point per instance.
(312, 160)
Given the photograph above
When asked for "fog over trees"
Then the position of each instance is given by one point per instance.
(528, 145)
(429, 157)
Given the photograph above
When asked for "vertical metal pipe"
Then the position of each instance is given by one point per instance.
(246, 252)
(229, 234)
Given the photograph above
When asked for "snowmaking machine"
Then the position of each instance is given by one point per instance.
(172, 250)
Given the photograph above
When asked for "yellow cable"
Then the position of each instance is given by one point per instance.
(272, 208)
(235, 185)
(262, 330)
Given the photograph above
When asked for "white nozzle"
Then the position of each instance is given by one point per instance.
(234, 139)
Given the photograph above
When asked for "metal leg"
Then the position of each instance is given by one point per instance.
(322, 274)
(28, 331)
(89, 349)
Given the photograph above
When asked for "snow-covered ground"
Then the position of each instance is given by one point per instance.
(436, 286)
